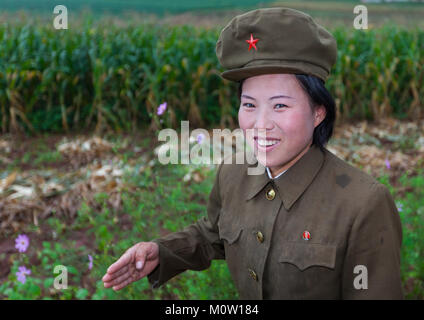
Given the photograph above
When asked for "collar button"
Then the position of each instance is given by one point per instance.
(270, 194)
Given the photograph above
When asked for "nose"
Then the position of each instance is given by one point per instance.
(263, 120)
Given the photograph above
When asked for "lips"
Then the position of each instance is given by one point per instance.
(266, 144)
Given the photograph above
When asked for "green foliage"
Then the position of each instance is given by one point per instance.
(170, 207)
(48, 157)
(116, 77)
(100, 6)
(39, 284)
(411, 209)
(412, 215)
(384, 58)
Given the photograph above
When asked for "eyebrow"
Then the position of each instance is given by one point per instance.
(274, 97)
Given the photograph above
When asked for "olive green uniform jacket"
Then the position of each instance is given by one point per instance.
(350, 220)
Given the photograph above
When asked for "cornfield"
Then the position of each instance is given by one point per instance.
(110, 78)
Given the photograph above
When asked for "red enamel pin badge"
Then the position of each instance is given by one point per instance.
(252, 42)
(306, 235)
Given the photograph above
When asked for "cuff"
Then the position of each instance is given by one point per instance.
(160, 274)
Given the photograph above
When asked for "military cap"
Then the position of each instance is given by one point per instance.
(275, 40)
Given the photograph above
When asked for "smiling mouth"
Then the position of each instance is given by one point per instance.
(266, 145)
(268, 142)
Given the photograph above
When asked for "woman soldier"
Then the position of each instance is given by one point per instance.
(312, 226)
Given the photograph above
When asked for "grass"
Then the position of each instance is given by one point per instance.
(155, 202)
(410, 202)
(162, 203)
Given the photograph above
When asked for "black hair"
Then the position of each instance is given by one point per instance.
(318, 95)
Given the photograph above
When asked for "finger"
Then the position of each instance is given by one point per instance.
(122, 261)
(117, 281)
(110, 276)
(140, 258)
(122, 284)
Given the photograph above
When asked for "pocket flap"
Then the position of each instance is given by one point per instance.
(305, 255)
(230, 235)
(228, 230)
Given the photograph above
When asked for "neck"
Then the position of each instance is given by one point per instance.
(275, 171)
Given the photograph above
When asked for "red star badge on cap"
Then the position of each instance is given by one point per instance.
(252, 42)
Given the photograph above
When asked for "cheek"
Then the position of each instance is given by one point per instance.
(297, 125)
(245, 120)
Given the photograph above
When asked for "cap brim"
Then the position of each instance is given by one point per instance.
(247, 72)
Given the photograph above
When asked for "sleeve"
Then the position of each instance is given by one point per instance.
(371, 268)
(192, 248)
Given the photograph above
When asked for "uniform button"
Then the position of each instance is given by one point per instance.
(260, 236)
(253, 274)
(270, 194)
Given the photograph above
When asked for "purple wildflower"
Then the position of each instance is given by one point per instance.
(90, 262)
(161, 108)
(22, 273)
(21, 277)
(400, 207)
(200, 138)
(387, 163)
(22, 243)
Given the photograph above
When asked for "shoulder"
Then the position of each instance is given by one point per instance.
(357, 189)
(344, 176)
(367, 203)
(232, 174)
(233, 167)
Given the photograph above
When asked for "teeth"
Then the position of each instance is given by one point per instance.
(266, 143)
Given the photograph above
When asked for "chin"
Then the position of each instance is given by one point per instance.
(271, 161)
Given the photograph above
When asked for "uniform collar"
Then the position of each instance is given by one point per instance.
(293, 182)
(270, 175)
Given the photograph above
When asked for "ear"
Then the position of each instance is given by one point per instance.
(320, 114)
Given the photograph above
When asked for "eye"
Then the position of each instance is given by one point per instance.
(280, 106)
(248, 105)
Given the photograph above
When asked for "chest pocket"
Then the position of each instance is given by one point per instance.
(229, 229)
(304, 255)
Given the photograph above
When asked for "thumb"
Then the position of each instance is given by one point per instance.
(140, 258)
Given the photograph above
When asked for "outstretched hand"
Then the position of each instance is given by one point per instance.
(137, 262)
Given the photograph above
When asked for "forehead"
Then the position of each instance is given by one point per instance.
(272, 84)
